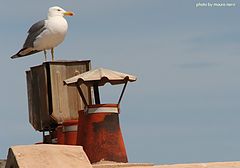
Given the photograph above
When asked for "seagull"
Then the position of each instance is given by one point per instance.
(46, 34)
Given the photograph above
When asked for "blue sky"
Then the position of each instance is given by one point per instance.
(184, 106)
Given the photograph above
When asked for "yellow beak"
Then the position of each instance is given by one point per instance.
(68, 13)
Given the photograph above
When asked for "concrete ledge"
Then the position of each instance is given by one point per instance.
(46, 155)
(107, 164)
(67, 156)
(203, 165)
(2, 163)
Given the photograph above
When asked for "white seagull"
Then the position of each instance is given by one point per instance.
(46, 34)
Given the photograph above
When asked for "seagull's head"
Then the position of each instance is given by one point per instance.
(57, 11)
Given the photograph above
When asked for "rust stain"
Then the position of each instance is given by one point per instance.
(110, 124)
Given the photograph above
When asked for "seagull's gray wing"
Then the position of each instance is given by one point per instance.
(33, 32)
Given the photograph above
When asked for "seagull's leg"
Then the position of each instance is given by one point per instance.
(52, 52)
(45, 55)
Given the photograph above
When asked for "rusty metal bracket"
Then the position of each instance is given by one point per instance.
(82, 95)
(124, 87)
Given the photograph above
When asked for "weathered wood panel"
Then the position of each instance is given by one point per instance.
(66, 101)
(50, 101)
(38, 98)
(30, 96)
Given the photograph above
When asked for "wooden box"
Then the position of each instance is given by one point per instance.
(50, 102)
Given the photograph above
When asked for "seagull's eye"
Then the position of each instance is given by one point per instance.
(58, 9)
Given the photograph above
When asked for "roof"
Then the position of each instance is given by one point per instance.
(101, 76)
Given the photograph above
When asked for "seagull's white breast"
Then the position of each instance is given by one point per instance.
(56, 29)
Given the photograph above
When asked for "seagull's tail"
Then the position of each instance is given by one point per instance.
(14, 56)
(25, 52)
